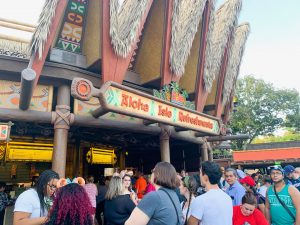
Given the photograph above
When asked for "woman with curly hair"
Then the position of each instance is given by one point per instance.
(71, 207)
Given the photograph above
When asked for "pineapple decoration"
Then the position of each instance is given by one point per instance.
(166, 91)
(173, 93)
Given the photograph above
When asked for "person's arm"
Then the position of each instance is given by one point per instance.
(267, 208)
(193, 221)
(295, 195)
(23, 218)
(137, 217)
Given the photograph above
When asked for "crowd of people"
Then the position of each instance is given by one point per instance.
(214, 196)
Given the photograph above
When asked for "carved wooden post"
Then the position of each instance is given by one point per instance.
(61, 118)
(27, 85)
(210, 152)
(204, 152)
(165, 143)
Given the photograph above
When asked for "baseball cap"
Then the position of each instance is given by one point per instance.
(248, 180)
(288, 169)
(276, 167)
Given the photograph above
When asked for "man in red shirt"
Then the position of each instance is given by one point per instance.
(140, 185)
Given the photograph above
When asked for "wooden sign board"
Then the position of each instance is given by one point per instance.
(114, 97)
(120, 99)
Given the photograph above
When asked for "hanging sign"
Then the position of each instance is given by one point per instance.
(5, 131)
(117, 98)
(71, 33)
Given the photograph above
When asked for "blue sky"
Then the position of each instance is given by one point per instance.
(272, 51)
(273, 47)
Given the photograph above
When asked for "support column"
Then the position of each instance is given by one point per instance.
(61, 118)
(122, 160)
(165, 143)
(204, 152)
(210, 152)
(76, 162)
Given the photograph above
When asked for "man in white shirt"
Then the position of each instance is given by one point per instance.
(215, 206)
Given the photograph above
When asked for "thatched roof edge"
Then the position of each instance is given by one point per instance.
(42, 30)
(185, 22)
(124, 24)
(234, 61)
(224, 21)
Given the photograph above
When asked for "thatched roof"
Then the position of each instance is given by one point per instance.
(125, 21)
(237, 50)
(40, 35)
(15, 48)
(223, 24)
(185, 21)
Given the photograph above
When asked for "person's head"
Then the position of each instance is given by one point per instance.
(249, 203)
(247, 182)
(289, 172)
(126, 181)
(277, 173)
(267, 180)
(90, 179)
(130, 173)
(46, 185)
(164, 174)
(183, 173)
(2, 186)
(71, 206)
(254, 177)
(231, 176)
(115, 188)
(190, 188)
(210, 173)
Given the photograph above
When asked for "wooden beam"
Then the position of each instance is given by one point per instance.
(227, 110)
(148, 122)
(28, 77)
(166, 74)
(179, 129)
(221, 79)
(114, 67)
(36, 63)
(201, 94)
(89, 121)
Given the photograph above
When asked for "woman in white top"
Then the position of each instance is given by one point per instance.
(32, 206)
(189, 191)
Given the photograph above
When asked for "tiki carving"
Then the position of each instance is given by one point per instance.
(62, 118)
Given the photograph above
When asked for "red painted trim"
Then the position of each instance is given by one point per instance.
(115, 67)
(38, 64)
(221, 79)
(267, 154)
(227, 110)
(166, 74)
(200, 93)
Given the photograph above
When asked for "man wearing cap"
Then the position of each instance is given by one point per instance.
(283, 200)
(249, 184)
(292, 176)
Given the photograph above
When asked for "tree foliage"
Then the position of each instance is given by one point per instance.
(262, 109)
(289, 135)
